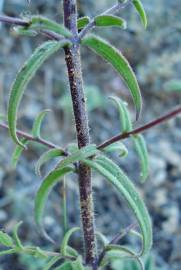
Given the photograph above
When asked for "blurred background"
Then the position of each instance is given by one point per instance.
(155, 55)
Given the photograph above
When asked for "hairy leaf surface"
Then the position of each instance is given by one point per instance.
(117, 178)
(110, 20)
(24, 76)
(119, 62)
(117, 147)
(43, 23)
(5, 239)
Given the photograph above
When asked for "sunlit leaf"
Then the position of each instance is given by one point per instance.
(37, 123)
(82, 22)
(79, 155)
(44, 190)
(15, 235)
(125, 119)
(17, 152)
(110, 20)
(119, 62)
(142, 152)
(24, 76)
(5, 239)
(64, 245)
(117, 178)
(50, 154)
(116, 252)
(41, 23)
(117, 147)
(141, 11)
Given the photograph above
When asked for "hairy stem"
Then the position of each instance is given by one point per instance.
(73, 61)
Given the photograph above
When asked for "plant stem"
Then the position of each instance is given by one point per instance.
(155, 122)
(73, 61)
(33, 139)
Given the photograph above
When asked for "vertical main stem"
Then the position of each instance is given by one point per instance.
(73, 61)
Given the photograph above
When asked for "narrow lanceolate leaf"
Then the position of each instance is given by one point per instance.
(6, 240)
(44, 190)
(117, 178)
(53, 153)
(24, 31)
(79, 155)
(141, 11)
(24, 76)
(42, 23)
(102, 238)
(17, 152)
(139, 142)
(77, 264)
(125, 119)
(15, 235)
(82, 22)
(110, 20)
(8, 252)
(37, 123)
(142, 152)
(117, 147)
(116, 252)
(64, 266)
(119, 62)
(51, 263)
(64, 245)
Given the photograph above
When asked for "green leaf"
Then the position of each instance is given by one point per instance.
(117, 178)
(139, 142)
(110, 20)
(7, 252)
(6, 240)
(117, 147)
(38, 122)
(50, 154)
(64, 245)
(82, 22)
(125, 119)
(24, 31)
(102, 238)
(15, 235)
(141, 11)
(17, 152)
(41, 23)
(24, 76)
(43, 192)
(77, 264)
(119, 62)
(51, 263)
(64, 266)
(142, 152)
(79, 155)
(116, 252)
